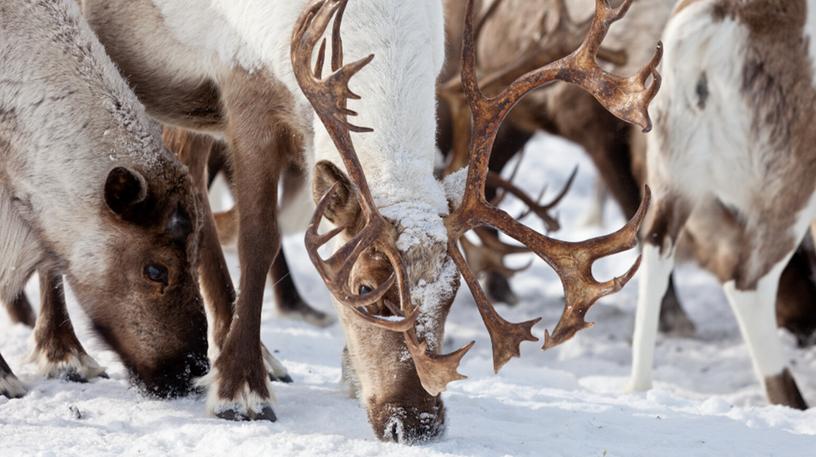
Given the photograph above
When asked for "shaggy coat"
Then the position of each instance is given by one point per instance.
(88, 191)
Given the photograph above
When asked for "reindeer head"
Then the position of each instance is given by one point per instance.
(397, 269)
(142, 296)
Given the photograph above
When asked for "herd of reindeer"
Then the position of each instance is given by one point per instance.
(383, 129)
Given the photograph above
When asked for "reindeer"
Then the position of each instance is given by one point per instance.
(395, 275)
(733, 138)
(88, 193)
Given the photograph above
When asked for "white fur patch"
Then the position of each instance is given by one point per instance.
(430, 296)
(454, 185)
(78, 364)
(244, 401)
(756, 315)
(419, 224)
(654, 279)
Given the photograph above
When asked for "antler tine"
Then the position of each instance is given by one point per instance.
(505, 337)
(336, 279)
(435, 371)
(626, 98)
(572, 261)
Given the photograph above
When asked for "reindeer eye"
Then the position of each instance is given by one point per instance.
(365, 290)
(156, 273)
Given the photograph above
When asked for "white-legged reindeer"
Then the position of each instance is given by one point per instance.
(733, 139)
(88, 193)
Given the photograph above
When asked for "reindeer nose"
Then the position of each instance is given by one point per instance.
(396, 423)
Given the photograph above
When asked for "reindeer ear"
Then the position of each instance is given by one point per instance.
(344, 209)
(123, 189)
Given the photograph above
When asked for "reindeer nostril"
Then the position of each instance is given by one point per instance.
(392, 432)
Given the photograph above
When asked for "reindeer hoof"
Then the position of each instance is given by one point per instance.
(286, 379)
(74, 367)
(11, 387)
(242, 403)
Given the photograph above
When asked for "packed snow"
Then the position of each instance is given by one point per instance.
(569, 401)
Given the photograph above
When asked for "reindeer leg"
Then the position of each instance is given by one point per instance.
(755, 311)
(10, 386)
(257, 134)
(57, 351)
(663, 227)
(20, 311)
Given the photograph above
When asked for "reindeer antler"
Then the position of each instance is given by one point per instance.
(328, 98)
(572, 261)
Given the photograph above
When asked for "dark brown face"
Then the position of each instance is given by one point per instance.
(399, 409)
(146, 303)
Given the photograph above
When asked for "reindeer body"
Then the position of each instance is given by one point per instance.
(732, 133)
(78, 155)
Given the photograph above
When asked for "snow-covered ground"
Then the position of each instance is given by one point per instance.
(568, 401)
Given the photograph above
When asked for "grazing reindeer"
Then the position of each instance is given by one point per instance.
(398, 259)
(87, 192)
(733, 137)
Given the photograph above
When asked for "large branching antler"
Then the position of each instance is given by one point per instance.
(329, 97)
(627, 98)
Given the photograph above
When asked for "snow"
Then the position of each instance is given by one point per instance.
(568, 401)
